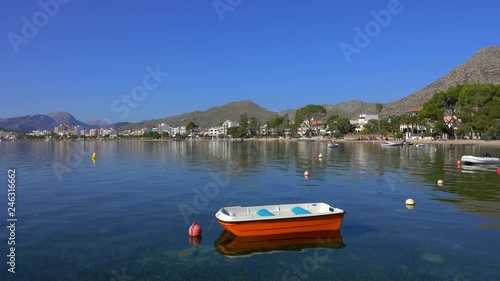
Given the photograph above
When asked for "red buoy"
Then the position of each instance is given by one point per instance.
(498, 171)
(306, 173)
(195, 230)
(459, 163)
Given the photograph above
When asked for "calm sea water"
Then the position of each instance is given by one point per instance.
(126, 216)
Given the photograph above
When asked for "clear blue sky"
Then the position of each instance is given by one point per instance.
(280, 54)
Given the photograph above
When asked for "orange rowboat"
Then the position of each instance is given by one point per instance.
(231, 245)
(279, 219)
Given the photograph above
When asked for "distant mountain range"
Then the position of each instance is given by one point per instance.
(483, 67)
(29, 123)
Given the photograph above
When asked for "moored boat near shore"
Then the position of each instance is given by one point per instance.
(333, 145)
(469, 159)
(388, 143)
(279, 219)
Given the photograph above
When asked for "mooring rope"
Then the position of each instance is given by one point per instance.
(211, 224)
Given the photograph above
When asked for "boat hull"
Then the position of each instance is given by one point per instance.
(467, 159)
(284, 225)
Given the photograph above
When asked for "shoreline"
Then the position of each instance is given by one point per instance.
(437, 142)
(441, 142)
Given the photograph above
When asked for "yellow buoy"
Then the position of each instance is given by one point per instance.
(410, 201)
(440, 182)
(320, 155)
(93, 156)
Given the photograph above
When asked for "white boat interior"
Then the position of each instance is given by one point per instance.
(267, 212)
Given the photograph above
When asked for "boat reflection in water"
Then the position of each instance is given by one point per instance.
(231, 245)
(478, 168)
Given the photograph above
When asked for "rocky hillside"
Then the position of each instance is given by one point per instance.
(483, 67)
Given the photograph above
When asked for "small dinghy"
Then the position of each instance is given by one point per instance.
(333, 145)
(486, 159)
(388, 143)
(279, 219)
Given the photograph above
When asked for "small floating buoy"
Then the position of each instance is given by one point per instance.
(93, 156)
(410, 201)
(459, 163)
(306, 173)
(440, 182)
(498, 171)
(194, 230)
(320, 155)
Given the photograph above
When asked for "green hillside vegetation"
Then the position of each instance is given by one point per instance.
(476, 108)
(213, 116)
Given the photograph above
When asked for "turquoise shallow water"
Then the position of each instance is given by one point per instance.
(126, 216)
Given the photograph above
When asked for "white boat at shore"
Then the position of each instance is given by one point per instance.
(388, 143)
(333, 145)
(469, 159)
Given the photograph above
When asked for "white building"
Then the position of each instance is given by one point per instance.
(163, 128)
(228, 124)
(181, 130)
(213, 132)
(222, 129)
(362, 120)
(38, 133)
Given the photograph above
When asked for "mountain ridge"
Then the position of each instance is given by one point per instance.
(28, 123)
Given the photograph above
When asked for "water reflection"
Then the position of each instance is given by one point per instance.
(231, 245)
(478, 168)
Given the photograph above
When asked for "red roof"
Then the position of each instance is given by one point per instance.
(416, 109)
(317, 123)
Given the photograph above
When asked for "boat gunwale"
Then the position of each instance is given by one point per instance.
(223, 214)
(277, 218)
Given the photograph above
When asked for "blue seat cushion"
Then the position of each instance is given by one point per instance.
(300, 211)
(264, 213)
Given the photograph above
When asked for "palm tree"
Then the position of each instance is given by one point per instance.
(378, 107)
